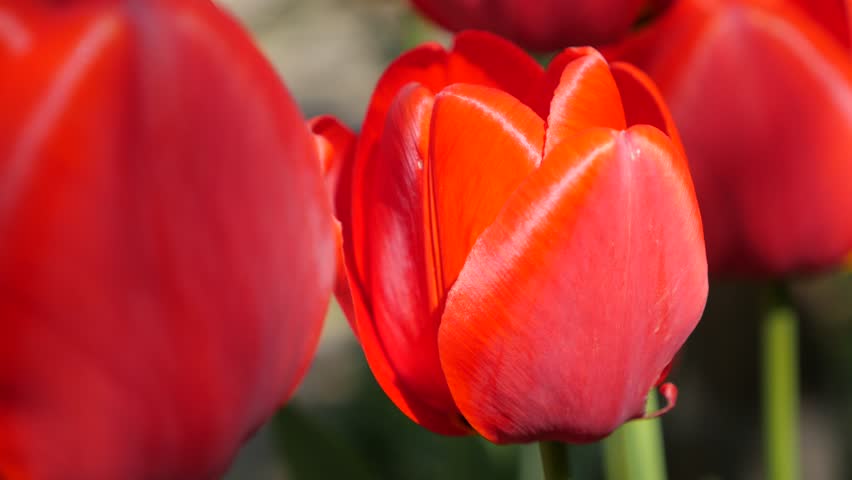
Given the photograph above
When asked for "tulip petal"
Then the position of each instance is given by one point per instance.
(396, 326)
(482, 58)
(336, 147)
(425, 65)
(543, 25)
(585, 97)
(604, 237)
(669, 392)
(476, 57)
(483, 144)
(642, 100)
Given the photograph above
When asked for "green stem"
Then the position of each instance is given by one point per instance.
(636, 451)
(781, 389)
(554, 460)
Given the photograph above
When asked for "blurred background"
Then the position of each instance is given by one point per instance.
(341, 425)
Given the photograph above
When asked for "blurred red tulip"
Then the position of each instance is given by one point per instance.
(763, 98)
(530, 279)
(165, 242)
(541, 25)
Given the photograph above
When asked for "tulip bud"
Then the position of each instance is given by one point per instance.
(525, 254)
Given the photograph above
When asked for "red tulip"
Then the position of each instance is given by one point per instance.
(165, 240)
(525, 253)
(763, 98)
(541, 25)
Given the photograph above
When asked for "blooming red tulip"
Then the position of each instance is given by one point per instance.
(763, 99)
(165, 240)
(525, 253)
(543, 24)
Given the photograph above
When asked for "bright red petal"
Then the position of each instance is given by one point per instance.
(543, 92)
(479, 58)
(577, 297)
(482, 58)
(585, 97)
(483, 144)
(166, 251)
(396, 326)
(336, 147)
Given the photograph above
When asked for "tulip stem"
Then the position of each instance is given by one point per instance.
(554, 460)
(636, 451)
(780, 388)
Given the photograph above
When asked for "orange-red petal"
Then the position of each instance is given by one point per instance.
(484, 143)
(586, 96)
(577, 297)
(396, 326)
(479, 58)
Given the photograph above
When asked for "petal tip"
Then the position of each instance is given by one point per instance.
(669, 392)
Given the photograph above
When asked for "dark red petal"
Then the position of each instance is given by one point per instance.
(544, 25)
(483, 144)
(336, 147)
(659, 47)
(166, 254)
(579, 294)
(396, 326)
(585, 97)
(425, 65)
(482, 58)
(642, 100)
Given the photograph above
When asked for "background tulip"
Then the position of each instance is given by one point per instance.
(541, 25)
(526, 279)
(763, 98)
(165, 242)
